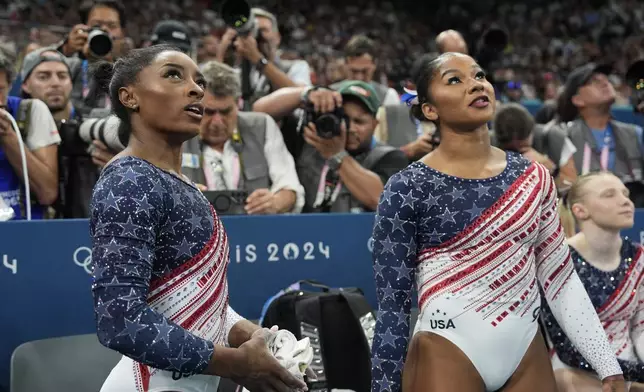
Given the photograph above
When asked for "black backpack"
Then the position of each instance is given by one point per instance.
(339, 323)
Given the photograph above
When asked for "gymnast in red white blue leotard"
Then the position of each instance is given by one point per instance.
(160, 252)
(477, 250)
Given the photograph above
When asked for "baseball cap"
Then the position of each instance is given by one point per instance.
(172, 32)
(38, 56)
(577, 79)
(361, 90)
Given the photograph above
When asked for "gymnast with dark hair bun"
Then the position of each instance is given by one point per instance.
(476, 230)
(160, 252)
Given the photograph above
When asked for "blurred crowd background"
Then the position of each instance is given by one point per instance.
(546, 38)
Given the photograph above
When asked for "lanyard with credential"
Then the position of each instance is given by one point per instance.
(213, 167)
(85, 76)
(328, 188)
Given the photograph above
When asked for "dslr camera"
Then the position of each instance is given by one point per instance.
(635, 79)
(99, 42)
(230, 202)
(328, 124)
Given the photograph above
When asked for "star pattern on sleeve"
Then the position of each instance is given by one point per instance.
(144, 224)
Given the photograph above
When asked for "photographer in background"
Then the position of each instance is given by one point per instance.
(41, 139)
(46, 76)
(241, 150)
(102, 26)
(339, 162)
(515, 130)
(269, 72)
(361, 63)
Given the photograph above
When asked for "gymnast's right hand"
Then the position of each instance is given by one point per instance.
(259, 371)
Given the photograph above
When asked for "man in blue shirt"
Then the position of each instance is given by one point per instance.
(41, 139)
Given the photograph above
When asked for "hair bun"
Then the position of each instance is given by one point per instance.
(102, 74)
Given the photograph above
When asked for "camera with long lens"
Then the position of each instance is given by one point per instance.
(99, 42)
(635, 79)
(237, 15)
(76, 134)
(105, 130)
(328, 124)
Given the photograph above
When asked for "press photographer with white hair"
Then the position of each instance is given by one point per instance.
(241, 150)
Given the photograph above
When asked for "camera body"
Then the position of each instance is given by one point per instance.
(71, 142)
(328, 124)
(99, 42)
(231, 202)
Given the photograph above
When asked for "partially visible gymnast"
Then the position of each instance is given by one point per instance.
(477, 230)
(612, 271)
(160, 252)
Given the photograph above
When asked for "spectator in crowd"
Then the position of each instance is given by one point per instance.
(601, 142)
(515, 130)
(360, 55)
(208, 47)
(451, 41)
(45, 76)
(172, 32)
(41, 139)
(335, 71)
(399, 129)
(268, 72)
(343, 173)
(16, 87)
(547, 88)
(241, 150)
(109, 15)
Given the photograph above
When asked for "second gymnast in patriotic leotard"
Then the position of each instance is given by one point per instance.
(477, 231)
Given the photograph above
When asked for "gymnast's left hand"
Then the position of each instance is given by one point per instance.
(261, 202)
(614, 384)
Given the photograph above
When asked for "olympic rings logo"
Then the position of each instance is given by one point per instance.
(83, 258)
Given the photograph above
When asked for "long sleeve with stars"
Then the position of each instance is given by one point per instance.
(394, 249)
(144, 224)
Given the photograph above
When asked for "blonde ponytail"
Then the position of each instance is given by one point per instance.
(567, 218)
(574, 195)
